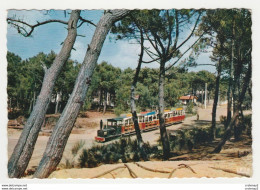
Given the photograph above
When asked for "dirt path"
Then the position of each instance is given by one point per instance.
(87, 134)
(88, 131)
(84, 133)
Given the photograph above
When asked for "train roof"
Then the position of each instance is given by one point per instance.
(116, 119)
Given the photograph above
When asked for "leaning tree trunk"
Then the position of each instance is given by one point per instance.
(133, 106)
(23, 150)
(59, 137)
(163, 133)
(216, 97)
(236, 114)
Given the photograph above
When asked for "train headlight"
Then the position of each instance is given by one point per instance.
(105, 133)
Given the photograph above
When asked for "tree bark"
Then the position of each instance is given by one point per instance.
(58, 139)
(163, 133)
(57, 103)
(236, 114)
(105, 103)
(34, 97)
(230, 86)
(133, 106)
(30, 107)
(99, 99)
(23, 150)
(215, 104)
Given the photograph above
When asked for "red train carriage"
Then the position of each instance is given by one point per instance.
(124, 126)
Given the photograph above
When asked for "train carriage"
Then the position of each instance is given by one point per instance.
(124, 126)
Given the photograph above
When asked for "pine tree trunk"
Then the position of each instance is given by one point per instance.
(133, 106)
(23, 150)
(10, 103)
(30, 107)
(236, 94)
(215, 104)
(34, 96)
(163, 133)
(57, 103)
(58, 99)
(105, 103)
(236, 114)
(230, 85)
(58, 139)
(99, 100)
(229, 102)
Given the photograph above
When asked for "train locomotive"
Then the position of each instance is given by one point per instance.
(124, 126)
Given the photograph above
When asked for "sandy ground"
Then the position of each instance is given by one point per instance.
(87, 134)
(198, 169)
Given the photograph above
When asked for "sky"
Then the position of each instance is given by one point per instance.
(120, 53)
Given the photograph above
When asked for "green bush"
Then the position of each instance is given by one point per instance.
(76, 147)
(223, 119)
(118, 111)
(187, 139)
(220, 132)
(83, 159)
(189, 108)
(246, 123)
(125, 150)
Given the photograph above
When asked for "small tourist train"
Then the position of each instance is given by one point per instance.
(124, 126)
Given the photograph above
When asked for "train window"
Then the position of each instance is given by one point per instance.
(150, 118)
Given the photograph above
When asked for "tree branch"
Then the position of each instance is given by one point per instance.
(177, 30)
(151, 42)
(197, 21)
(26, 33)
(185, 52)
(85, 21)
(170, 33)
(157, 38)
(148, 53)
(106, 172)
(152, 170)
(131, 172)
(44, 67)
